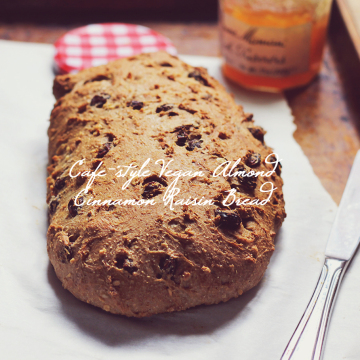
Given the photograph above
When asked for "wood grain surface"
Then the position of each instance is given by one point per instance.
(326, 112)
(350, 11)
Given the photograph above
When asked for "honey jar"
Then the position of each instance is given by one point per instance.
(273, 45)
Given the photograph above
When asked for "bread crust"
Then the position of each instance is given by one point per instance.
(143, 260)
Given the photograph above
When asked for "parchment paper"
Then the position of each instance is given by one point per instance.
(40, 320)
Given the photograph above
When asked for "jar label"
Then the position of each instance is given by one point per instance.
(265, 51)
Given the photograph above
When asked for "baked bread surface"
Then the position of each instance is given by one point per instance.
(143, 260)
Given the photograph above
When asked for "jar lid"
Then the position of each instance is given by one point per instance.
(97, 44)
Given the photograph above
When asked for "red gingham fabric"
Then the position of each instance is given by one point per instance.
(97, 44)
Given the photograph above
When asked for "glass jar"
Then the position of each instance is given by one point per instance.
(273, 45)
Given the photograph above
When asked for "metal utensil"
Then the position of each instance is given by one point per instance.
(307, 342)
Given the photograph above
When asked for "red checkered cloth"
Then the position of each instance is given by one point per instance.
(97, 44)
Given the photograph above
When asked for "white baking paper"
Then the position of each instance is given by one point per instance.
(40, 320)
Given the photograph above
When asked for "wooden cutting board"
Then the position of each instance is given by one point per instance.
(350, 10)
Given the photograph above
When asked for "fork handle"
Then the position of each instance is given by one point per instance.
(308, 339)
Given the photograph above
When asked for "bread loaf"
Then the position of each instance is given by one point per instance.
(142, 259)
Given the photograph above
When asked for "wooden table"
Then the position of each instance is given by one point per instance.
(327, 111)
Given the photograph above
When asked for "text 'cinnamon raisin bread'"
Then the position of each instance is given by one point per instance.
(138, 255)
